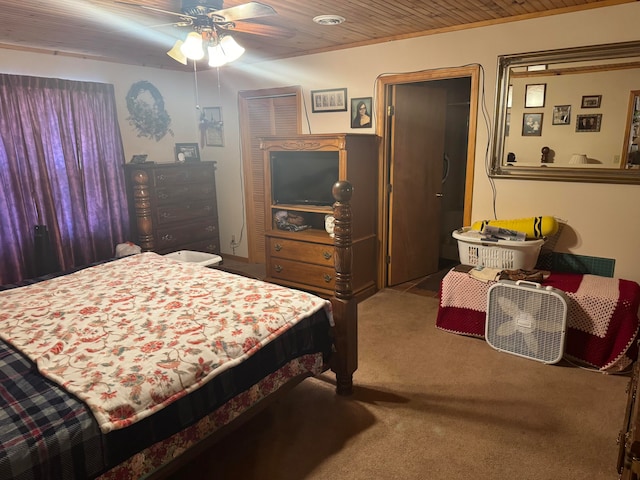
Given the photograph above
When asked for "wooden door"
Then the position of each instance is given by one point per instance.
(416, 158)
(263, 113)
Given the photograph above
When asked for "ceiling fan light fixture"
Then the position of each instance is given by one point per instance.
(216, 56)
(230, 48)
(176, 53)
(329, 19)
(192, 47)
(224, 50)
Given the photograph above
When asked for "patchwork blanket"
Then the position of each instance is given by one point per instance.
(602, 315)
(132, 336)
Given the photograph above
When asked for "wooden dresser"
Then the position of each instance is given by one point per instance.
(629, 439)
(304, 259)
(173, 206)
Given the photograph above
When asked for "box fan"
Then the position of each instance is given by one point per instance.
(526, 319)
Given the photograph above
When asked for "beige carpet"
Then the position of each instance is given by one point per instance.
(430, 405)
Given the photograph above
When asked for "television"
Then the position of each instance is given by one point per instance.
(303, 178)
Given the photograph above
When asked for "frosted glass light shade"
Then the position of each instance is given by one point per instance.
(217, 57)
(176, 53)
(232, 50)
(192, 46)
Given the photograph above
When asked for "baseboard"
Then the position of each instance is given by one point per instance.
(226, 256)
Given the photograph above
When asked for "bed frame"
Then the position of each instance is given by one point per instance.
(344, 360)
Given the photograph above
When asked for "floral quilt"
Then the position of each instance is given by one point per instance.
(131, 336)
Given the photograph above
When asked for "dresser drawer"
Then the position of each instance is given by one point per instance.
(184, 212)
(202, 191)
(306, 273)
(307, 252)
(172, 237)
(206, 246)
(181, 176)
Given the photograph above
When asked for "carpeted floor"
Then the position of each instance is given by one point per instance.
(430, 405)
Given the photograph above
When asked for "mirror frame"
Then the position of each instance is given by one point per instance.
(569, 174)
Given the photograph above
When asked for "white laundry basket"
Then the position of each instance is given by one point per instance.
(200, 258)
(505, 254)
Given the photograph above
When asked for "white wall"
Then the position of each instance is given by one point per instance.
(599, 223)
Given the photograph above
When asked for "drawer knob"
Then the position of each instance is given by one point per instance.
(277, 247)
(327, 278)
(277, 268)
(211, 228)
(327, 255)
(168, 237)
(166, 214)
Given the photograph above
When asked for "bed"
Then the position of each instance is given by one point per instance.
(128, 368)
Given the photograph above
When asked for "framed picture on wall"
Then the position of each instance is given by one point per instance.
(561, 115)
(361, 112)
(534, 95)
(212, 124)
(331, 100)
(532, 124)
(591, 101)
(588, 123)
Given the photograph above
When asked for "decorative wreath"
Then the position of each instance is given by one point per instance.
(149, 119)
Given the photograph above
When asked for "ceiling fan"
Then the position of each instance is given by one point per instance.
(211, 24)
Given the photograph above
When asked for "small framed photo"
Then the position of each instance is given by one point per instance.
(588, 123)
(187, 152)
(561, 115)
(532, 124)
(534, 95)
(331, 100)
(211, 123)
(361, 112)
(591, 101)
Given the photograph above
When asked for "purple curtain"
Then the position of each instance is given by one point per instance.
(61, 160)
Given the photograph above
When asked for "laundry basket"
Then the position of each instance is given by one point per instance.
(505, 254)
(200, 258)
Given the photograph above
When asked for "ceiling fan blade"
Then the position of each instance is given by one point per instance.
(266, 30)
(147, 7)
(172, 24)
(244, 11)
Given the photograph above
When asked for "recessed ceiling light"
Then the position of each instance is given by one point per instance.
(328, 19)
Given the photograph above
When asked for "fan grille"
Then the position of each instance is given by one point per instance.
(528, 321)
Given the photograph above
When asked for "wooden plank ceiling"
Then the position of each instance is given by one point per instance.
(130, 34)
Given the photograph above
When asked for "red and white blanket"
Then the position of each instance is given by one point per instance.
(602, 315)
(131, 336)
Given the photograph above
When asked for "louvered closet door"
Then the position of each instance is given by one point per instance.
(263, 113)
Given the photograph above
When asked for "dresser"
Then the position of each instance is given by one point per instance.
(299, 174)
(173, 206)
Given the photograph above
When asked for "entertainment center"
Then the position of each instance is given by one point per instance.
(300, 171)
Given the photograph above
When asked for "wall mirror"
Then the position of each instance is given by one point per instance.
(569, 115)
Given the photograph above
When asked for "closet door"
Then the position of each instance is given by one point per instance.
(417, 152)
(263, 113)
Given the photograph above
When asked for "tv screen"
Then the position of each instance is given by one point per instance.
(303, 178)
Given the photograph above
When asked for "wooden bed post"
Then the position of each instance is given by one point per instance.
(345, 306)
(142, 203)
